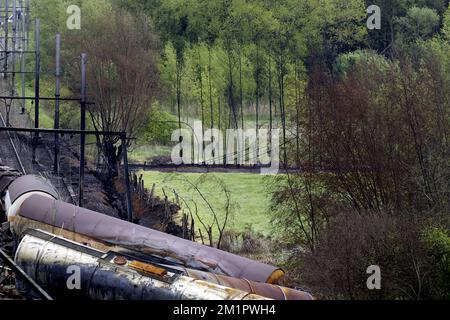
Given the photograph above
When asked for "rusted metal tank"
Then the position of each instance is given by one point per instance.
(31, 204)
(59, 215)
(53, 262)
(268, 290)
(264, 289)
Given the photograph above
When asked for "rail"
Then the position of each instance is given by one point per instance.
(16, 154)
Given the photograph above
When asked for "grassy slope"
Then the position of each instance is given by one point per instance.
(247, 190)
(45, 120)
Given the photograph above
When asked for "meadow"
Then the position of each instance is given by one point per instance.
(248, 192)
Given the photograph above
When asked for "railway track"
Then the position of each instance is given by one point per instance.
(16, 152)
(9, 153)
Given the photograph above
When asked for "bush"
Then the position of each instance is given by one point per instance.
(245, 243)
(160, 127)
(437, 241)
(345, 62)
(336, 269)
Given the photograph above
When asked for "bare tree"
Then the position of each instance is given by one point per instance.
(219, 222)
(379, 146)
(122, 76)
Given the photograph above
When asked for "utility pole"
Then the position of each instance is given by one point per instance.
(38, 73)
(82, 127)
(3, 54)
(57, 96)
(14, 42)
(5, 26)
(37, 83)
(23, 57)
(27, 23)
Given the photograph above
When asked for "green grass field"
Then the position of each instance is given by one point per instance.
(248, 191)
(147, 152)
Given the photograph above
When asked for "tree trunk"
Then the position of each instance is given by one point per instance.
(270, 104)
(112, 156)
(231, 101)
(241, 89)
(210, 89)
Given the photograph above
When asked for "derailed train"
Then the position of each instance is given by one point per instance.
(116, 259)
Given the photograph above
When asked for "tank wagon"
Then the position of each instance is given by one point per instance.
(121, 260)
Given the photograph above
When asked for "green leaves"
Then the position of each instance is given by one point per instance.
(419, 23)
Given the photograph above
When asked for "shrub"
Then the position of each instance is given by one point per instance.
(245, 243)
(437, 241)
(336, 269)
(160, 127)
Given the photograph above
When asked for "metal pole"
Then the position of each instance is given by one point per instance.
(21, 24)
(23, 61)
(38, 73)
(37, 89)
(14, 41)
(127, 176)
(2, 38)
(5, 61)
(82, 127)
(27, 23)
(57, 96)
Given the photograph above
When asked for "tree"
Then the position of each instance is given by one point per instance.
(220, 214)
(174, 23)
(122, 75)
(418, 24)
(383, 41)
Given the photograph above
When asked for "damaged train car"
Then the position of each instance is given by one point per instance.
(117, 259)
